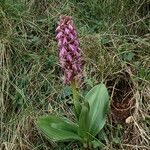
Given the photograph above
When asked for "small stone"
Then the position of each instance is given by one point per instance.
(129, 120)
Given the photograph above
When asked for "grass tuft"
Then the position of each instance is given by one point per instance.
(114, 38)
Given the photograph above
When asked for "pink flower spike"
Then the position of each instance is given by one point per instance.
(69, 51)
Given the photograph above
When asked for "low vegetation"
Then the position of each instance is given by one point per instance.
(114, 39)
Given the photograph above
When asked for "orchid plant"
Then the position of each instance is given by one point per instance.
(91, 112)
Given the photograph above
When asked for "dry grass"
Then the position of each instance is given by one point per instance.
(114, 40)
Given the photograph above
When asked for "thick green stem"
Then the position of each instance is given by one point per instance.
(74, 89)
(75, 97)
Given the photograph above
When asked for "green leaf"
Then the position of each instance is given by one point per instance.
(84, 121)
(128, 56)
(98, 99)
(97, 144)
(104, 40)
(57, 128)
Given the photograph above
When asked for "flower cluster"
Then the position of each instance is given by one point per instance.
(69, 52)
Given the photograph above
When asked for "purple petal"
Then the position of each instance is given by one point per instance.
(69, 58)
(70, 27)
(67, 31)
(65, 40)
(74, 33)
(59, 35)
(72, 37)
(62, 51)
(59, 43)
(74, 66)
(78, 55)
(76, 42)
(69, 75)
(72, 47)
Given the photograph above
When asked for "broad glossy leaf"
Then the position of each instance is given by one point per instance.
(98, 101)
(84, 121)
(57, 128)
